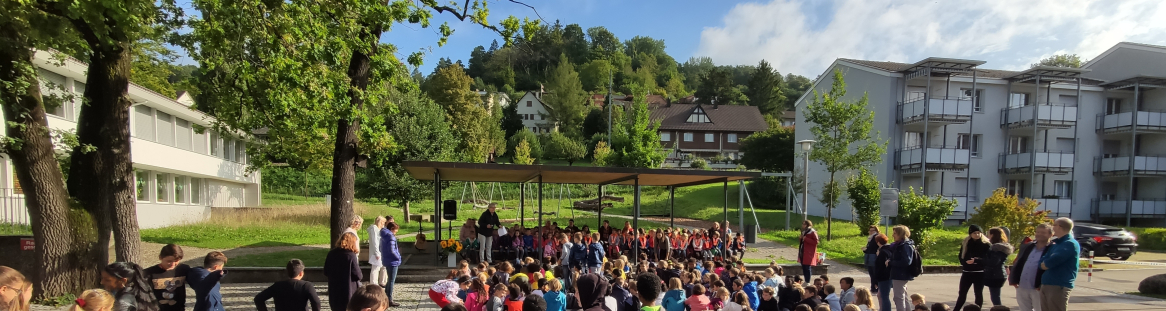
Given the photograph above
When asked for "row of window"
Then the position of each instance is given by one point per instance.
(1061, 188)
(533, 116)
(55, 88)
(160, 127)
(972, 142)
(157, 187)
(708, 137)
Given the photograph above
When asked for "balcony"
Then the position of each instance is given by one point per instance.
(1040, 162)
(961, 207)
(1137, 208)
(913, 159)
(1147, 166)
(1044, 116)
(936, 110)
(1056, 207)
(1147, 122)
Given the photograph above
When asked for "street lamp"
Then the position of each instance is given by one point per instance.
(806, 145)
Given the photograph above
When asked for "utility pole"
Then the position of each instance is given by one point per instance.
(610, 101)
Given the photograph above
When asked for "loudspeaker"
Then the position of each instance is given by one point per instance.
(449, 210)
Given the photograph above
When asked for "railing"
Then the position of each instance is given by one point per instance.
(1138, 208)
(1154, 120)
(1041, 161)
(1046, 115)
(949, 109)
(940, 155)
(1146, 165)
(12, 208)
(961, 201)
(1056, 207)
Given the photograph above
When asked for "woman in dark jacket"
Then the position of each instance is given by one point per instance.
(343, 271)
(882, 272)
(973, 253)
(901, 254)
(870, 252)
(994, 271)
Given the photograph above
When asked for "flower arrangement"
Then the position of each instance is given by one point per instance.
(450, 246)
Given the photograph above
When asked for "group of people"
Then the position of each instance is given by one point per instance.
(1042, 273)
(551, 242)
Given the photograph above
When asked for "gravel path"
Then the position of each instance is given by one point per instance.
(240, 297)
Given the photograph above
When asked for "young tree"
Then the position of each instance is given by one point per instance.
(312, 71)
(864, 191)
(536, 149)
(636, 143)
(522, 153)
(566, 101)
(559, 146)
(922, 214)
(1061, 60)
(1005, 210)
(511, 121)
(765, 89)
(601, 154)
(771, 150)
(843, 131)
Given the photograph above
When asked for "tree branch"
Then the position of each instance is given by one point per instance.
(540, 17)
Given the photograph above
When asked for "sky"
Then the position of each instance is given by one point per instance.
(804, 36)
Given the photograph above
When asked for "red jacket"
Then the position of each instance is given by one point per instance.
(808, 248)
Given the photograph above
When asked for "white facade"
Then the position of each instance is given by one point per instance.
(534, 113)
(180, 173)
(1061, 136)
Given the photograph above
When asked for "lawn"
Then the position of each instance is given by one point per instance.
(311, 258)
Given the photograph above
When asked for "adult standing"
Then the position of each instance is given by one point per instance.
(488, 224)
(377, 272)
(994, 270)
(1060, 265)
(342, 268)
(973, 253)
(357, 221)
(390, 258)
(902, 256)
(808, 248)
(882, 272)
(1026, 272)
(869, 253)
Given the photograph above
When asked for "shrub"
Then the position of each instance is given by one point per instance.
(522, 153)
(1003, 210)
(601, 154)
(532, 140)
(699, 163)
(1154, 285)
(923, 213)
(1150, 238)
(864, 191)
(559, 146)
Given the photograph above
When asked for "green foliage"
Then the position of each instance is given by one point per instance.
(718, 85)
(1003, 210)
(769, 151)
(594, 75)
(559, 146)
(601, 155)
(522, 153)
(57, 301)
(923, 214)
(152, 66)
(287, 180)
(793, 88)
(831, 193)
(511, 121)
(595, 123)
(535, 151)
(1150, 238)
(765, 89)
(864, 192)
(422, 133)
(566, 102)
(635, 143)
(477, 132)
(1061, 60)
(699, 163)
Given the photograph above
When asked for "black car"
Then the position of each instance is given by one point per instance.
(1113, 242)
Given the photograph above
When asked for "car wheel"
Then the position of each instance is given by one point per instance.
(1085, 252)
(1116, 257)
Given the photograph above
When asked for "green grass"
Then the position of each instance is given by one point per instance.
(275, 199)
(311, 258)
(15, 229)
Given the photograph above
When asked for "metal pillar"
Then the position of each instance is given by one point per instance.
(636, 219)
(805, 188)
(789, 184)
(672, 206)
(437, 212)
(1133, 151)
(522, 206)
(740, 205)
(539, 224)
(971, 139)
(600, 208)
(725, 230)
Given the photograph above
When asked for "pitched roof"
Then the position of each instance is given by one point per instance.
(723, 117)
(898, 67)
(789, 114)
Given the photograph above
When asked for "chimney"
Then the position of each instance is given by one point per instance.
(714, 103)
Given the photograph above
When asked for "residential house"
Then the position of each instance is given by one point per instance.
(706, 130)
(534, 113)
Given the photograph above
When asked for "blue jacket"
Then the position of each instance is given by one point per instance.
(674, 300)
(595, 254)
(901, 255)
(1061, 258)
(750, 290)
(206, 289)
(390, 254)
(556, 301)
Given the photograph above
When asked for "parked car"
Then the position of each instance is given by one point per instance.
(1113, 242)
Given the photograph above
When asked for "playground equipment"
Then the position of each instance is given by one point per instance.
(480, 203)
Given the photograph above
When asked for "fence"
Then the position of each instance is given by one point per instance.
(12, 208)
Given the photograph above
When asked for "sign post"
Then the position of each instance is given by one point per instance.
(889, 205)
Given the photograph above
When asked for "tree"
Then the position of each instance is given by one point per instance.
(522, 153)
(566, 101)
(1061, 60)
(922, 214)
(695, 69)
(575, 44)
(312, 71)
(843, 132)
(511, 121)
(604, 44)
(794, 87)
(718, 85)
(559, 146)
(601, 154)
(450, 88)
(864, 191)
(1005, 210)
(151, 66)
(771, 150)
(765, 89)
(595, 123)
(534, 151)
(595, 75)
(635, 142)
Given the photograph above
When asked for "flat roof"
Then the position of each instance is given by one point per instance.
(945, 63)
(557, 174)
(1140, 81)
(1048, 72)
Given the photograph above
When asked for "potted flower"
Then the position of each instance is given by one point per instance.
(449, 249)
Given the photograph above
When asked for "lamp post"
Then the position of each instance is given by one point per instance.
(806, 145)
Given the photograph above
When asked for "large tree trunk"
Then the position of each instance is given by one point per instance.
(405, 208)
(103, 180)
(64, 262)
(347, 141)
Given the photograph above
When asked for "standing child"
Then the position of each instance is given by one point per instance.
(205, 282)
(595, 258)
(93, 300)
(556, 299)
(376, 273)
(291, 294)
(168, 279)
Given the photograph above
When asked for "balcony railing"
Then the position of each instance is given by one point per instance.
(12, 209)
(937, 158)
(1042, 162)
(1048, 116)
(1143, 165)
(961, 206)
(1137, 208)
(1120, 122)
(1056, 207)
(942, 110)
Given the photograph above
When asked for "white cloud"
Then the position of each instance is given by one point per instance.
(1006, 34)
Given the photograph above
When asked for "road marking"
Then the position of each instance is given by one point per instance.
(1134, 263)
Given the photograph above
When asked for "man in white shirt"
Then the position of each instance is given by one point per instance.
(377, 273)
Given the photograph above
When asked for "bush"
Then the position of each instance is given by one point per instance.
(559, 146)
(287, 180)
(532, 139)
(922, 214)
(601, 154)
(522, 153)
(1150, 238)
(1003, 210)
(1154, 285)
(864, 191)
(699, 163)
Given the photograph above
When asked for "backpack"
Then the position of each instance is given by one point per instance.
(916, 263)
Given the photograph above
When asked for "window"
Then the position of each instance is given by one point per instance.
(53, 93)
(1015, 187)
(665, 136)
(529, 104)
(688, 137)
(165, 129)
(1017, 100)
(240, 151)
(969, 142)
(542, 117)
(229, 149)
(163, 182)
(912, 139)
(534, 129)
(1112, 106)
(144, 122)
(698, 116)
(199, 140)
(1017, 144)
(975, 98)
(195, 191)
(1063, 189)
(709, 137)
(142, 179)
(216, 145)
(972, 186)
(179, 189)
(732, 138)
(182, 134)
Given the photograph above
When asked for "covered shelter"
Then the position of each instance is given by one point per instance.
(601, 176)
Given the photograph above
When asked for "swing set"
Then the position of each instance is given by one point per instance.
(476, 203)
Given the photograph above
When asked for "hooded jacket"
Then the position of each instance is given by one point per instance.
(592, 290)
(750, 290)
(674, 300)
(994, 264)
(902, 253)
(974, 249)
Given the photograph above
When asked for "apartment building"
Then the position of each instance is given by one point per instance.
(181, 170)
(1087, 143)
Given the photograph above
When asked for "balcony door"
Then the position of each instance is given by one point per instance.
(1016, 100)
(1112, 106)
(1015, 187)
(1110, 148)
(1017, 144)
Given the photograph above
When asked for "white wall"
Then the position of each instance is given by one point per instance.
(536, 119)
